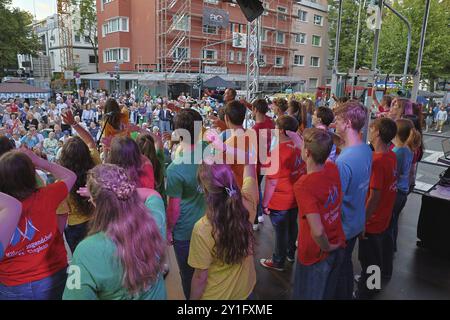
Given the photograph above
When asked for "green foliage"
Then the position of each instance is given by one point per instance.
(348, 35)
(16, 35)
(393, 39)
(87, 22)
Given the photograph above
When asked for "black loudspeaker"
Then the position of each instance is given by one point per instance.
(251, 9)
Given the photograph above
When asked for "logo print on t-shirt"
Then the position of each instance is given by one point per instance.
(332, 197)
(393, 187)
(27, 234)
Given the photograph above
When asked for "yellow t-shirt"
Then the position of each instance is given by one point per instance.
(69, 206)
(225, 282)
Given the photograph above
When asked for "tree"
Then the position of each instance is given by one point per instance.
(87, 12)
(393, 39)
(436, 57)
(16, 36)
(347, 39)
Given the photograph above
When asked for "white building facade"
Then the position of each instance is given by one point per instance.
(48, 33)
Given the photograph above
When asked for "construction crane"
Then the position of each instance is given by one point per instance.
(65, 34)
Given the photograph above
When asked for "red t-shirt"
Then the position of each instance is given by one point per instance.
(264, 136)
(319, 193)
(147, 177)
(290, 167)
(383, 178)
(36, 250)
(14, 108)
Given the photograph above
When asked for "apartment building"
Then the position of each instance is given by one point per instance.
(48, 61)
(173, 41)
(310, 40)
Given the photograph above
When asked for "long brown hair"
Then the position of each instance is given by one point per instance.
(407, 133)
(231, 228)
(76, 157)
(146, 145)
(17, 175)
(125, 153)
(123, 217)
(113, 108)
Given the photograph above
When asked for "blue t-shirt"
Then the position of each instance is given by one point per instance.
(2, 251)
(404, 162)
(355, 165)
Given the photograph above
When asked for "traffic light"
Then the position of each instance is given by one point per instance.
(199, 82)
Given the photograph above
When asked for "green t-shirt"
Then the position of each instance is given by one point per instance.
(101, 274)
(182, 183)
(158, 210)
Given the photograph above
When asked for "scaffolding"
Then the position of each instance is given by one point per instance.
(173, 21)
(65, 34)
(182, 42)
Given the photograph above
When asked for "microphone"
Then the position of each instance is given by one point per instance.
(110, 114)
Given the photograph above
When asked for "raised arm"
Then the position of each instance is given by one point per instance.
(10, 211)
(59, 172)
(83, 133)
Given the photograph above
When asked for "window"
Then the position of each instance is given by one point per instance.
(107, 1)
(231, 57)
(116, 25)
(182, 23)
(279, 61)
(302, 15)
(282, 13)
(316, 41)
(318, 20)
(181, 53)
(211, 1)
(328, 81)
(299, 60)
(315, 62)
(264, 35)
(301, 86)
(210, 56)
(300, 38)
(280, 37)
(87, 39)
(312, 83)
(113, 55)
(210, 29)
(77, 38)
(92, 59)
(239, 57)
(236, 27)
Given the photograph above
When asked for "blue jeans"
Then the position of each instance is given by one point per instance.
(50, 288)
(345, 282)
(164, 126)
(318, 281)
(181, 248)
(400, 202)
(286, 230)
(75, 234)
(259, 208)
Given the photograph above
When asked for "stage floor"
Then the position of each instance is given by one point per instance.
(418, 273)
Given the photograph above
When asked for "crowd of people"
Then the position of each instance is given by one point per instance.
(119, 181)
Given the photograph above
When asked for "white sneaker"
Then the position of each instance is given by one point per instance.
(439, 131)
(255, 227)
(261, 219)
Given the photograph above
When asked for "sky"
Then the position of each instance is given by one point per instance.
(42, 8)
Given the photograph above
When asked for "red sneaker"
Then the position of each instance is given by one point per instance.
(268, 263)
